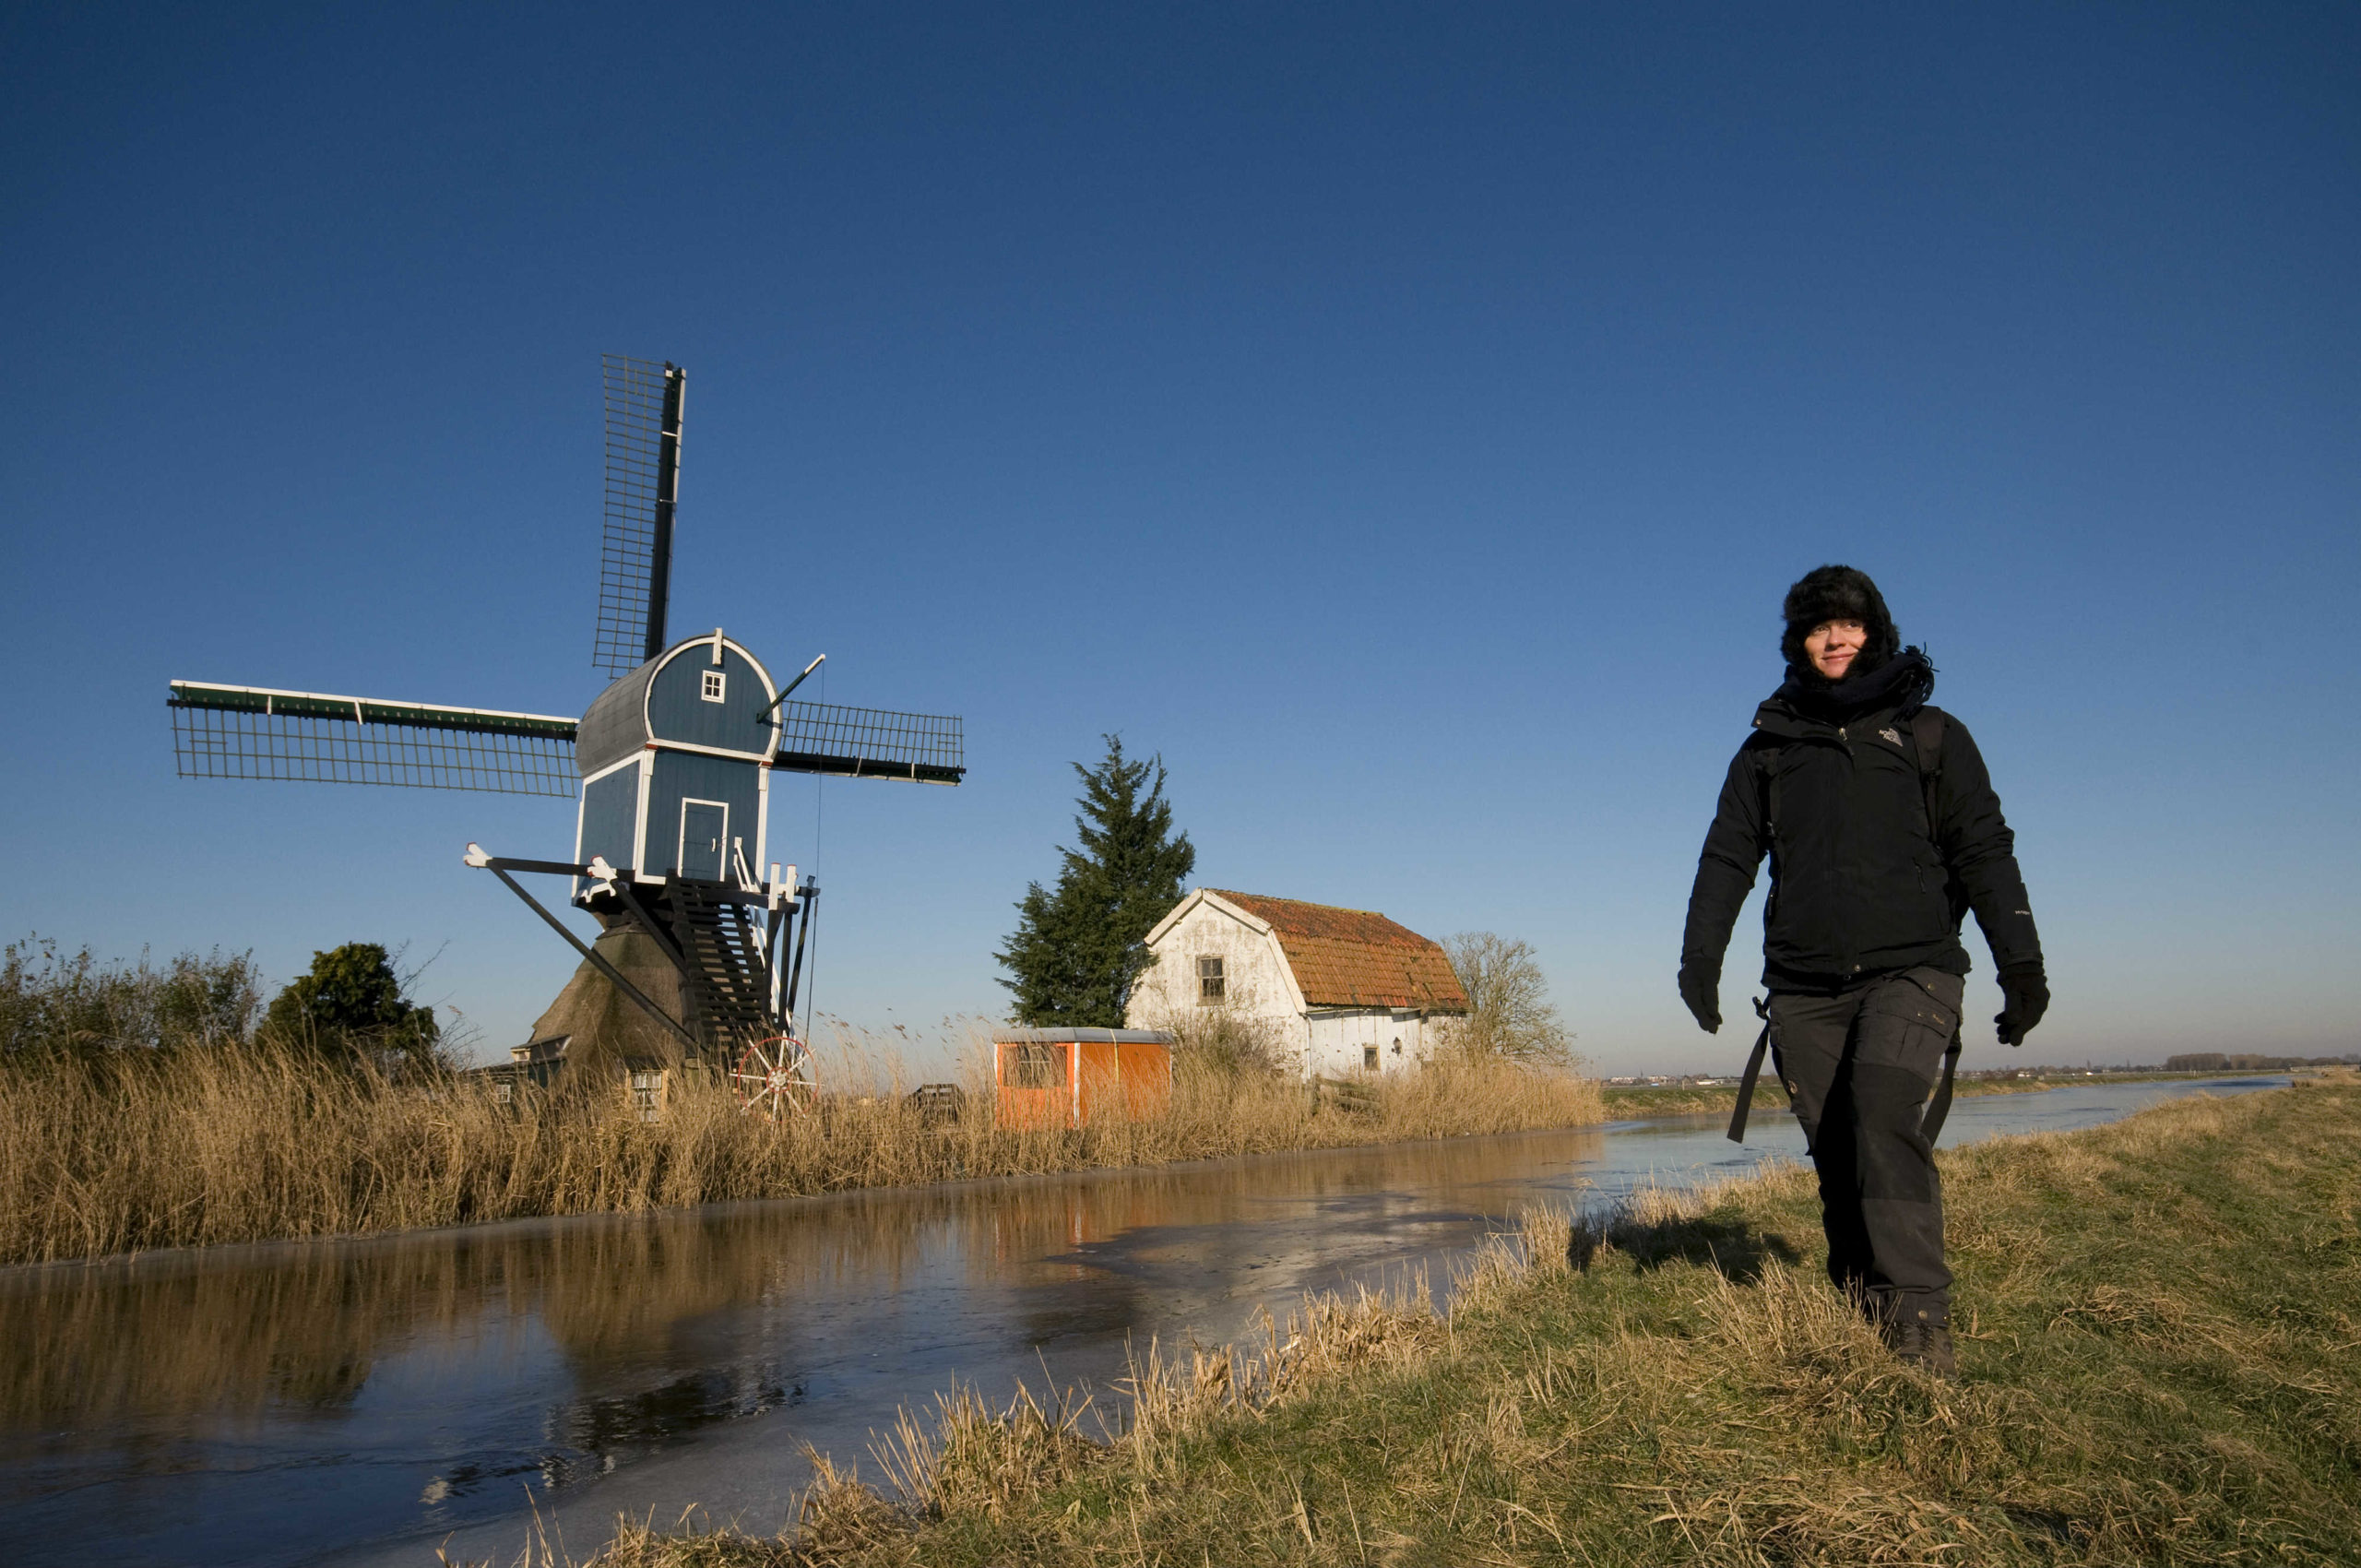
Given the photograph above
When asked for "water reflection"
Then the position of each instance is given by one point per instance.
(624, 1334)
(257, 1404)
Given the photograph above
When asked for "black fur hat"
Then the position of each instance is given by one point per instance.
(1838, 593)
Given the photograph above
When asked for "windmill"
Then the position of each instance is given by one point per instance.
(671, 768)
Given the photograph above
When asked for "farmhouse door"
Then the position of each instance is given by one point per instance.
(703, 823)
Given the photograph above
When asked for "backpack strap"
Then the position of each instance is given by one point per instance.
(1764, 749)
(1927, 727)
(1753, 1072)
(1926, 741)
(1931, 1125)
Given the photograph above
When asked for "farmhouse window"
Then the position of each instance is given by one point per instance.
(1036, 1067)
(1211, 983)
(716, 684)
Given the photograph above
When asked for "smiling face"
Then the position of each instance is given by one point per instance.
(1834, 645)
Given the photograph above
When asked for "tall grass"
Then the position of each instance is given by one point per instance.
(126, 1150)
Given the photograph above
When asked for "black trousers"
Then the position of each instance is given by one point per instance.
(1860, 1066)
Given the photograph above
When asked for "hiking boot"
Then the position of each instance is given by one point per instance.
(1924, 1345)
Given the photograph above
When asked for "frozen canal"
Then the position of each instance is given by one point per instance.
(363, 1401)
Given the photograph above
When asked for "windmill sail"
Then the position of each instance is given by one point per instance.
(644, 408)
(260, 733)
(257, 732)
(868, 743)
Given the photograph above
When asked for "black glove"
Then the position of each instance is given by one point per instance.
(1702, 993)
(2025, 997)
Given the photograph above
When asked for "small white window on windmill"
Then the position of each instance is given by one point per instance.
(1211, 982)
(717, 684)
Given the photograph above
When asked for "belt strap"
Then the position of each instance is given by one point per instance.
(1932, 1124)
(1754, 1070)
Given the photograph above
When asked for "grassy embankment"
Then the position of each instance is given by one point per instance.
(1628, 1102)
(2159, 1326)
(126, 1150)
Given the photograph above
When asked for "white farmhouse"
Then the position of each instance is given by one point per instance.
(1342, 991)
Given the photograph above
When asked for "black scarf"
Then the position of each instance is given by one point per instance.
(1902, 683)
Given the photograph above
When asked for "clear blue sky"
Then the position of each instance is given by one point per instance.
(1404, 420)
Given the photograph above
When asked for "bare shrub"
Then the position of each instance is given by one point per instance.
(1508, 1010)
(53, 1005)
(1223, 1041)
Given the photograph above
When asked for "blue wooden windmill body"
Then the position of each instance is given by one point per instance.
(676, 762)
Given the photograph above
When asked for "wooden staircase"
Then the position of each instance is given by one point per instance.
(726, 979)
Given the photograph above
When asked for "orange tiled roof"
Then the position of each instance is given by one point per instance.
(1355, 958)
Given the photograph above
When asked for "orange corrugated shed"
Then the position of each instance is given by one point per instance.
(1356, 959)
(1075, 1078)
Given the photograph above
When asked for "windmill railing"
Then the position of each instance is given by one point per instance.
(707, 929)
(598, 874)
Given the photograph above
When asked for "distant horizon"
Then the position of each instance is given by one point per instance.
(2040, 1069)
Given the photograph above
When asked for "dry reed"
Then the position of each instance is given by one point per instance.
(131, 1150)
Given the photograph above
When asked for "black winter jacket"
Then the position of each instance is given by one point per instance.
(1859, 885)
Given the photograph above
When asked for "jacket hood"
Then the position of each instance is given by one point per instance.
(1837, 593)
(1904, 683)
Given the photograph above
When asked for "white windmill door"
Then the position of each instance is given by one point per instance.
(704, 825)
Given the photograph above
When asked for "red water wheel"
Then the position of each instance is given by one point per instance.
(773, 1079)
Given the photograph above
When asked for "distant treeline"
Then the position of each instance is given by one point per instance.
(2245, 1062)
(353, 1006)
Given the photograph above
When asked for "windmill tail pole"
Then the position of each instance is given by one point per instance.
(477, 858)
(791, 686)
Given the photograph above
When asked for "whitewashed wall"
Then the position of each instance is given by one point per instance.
(1341, 1037)
(1258, 985)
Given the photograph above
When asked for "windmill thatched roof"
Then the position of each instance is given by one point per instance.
(592, 1026)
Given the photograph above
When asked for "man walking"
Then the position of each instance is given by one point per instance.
(1882, 830)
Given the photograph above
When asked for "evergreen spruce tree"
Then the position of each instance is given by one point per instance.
(1079, 946)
